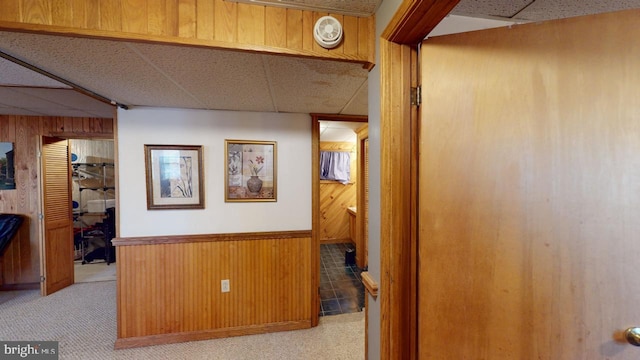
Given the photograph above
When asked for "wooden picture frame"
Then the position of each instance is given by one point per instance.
(175, 177)
(251, 170)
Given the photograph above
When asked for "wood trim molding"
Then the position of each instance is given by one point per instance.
(338, 117)
(361, 241)
(415, 19)
(396, 203)
(177, 239)
(126, 343)
(315, 221)
(174, 40)
(83, 136)
(370, 284)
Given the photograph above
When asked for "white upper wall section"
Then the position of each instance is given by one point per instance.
(457, 24)
(165, 126)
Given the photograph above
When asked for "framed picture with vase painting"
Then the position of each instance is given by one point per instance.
(251, 170)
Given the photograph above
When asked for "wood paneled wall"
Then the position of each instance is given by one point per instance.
(169, 287)
(25, 133)
(335, 198)
(362, 218)
(217, 23)
(16, 266)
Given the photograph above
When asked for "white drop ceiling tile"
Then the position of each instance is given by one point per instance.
(18, 111)
(219, 79)
(359, 104)
(311, 85)
(558, 9)
(349, 126)
(14, 74)
(338, 135)
(500, 8)
(68, 98)
(68, 112)
(15, 97)
(108, 68)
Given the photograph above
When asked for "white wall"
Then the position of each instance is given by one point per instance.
(140, 126)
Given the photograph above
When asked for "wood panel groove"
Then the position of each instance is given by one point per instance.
(173, 239)
(270, 283)
(335, 198)
(211, 23)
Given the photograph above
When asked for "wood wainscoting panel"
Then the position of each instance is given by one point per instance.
(170, 291)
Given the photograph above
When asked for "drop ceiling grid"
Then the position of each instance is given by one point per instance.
(310, 85)
(53, 102)
(216, 78)
(108, 68)
(338, 135)
(500, 8)
(540, 10)
(73, 101)
(23, 98)
(559, 9)
(14, 74)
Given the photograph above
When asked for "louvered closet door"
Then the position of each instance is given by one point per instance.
(57, 245)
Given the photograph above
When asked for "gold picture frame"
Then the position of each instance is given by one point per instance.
(251, 170)
(175, 177)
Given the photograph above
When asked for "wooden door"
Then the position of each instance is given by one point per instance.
(57, 243)
(529, 191)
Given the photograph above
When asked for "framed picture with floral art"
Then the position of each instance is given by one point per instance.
(174, 177)
(251, 170)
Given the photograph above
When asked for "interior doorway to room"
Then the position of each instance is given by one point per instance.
(78, 192)
(342, 243)
(93, 201)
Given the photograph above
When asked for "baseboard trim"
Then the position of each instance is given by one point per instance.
(160, 339)
(14, 287)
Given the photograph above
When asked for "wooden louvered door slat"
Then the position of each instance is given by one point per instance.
(57, 244)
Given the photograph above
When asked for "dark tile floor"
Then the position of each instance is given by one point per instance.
(341, 288)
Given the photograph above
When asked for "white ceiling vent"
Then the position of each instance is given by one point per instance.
(328, 32)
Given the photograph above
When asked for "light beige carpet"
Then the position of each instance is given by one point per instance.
(82, 318)
(94, 271)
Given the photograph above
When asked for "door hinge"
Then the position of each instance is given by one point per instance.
(41, 278)
(416, 96)
(40, 216)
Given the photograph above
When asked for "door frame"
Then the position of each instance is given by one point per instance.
(412, 22)
(85, 136)
(315, 203)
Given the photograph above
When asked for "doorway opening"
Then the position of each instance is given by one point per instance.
(93, 202)
(339, 188)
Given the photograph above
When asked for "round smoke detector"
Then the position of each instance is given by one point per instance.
(327, 32)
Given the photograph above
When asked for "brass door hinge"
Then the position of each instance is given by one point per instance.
(416, 96)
